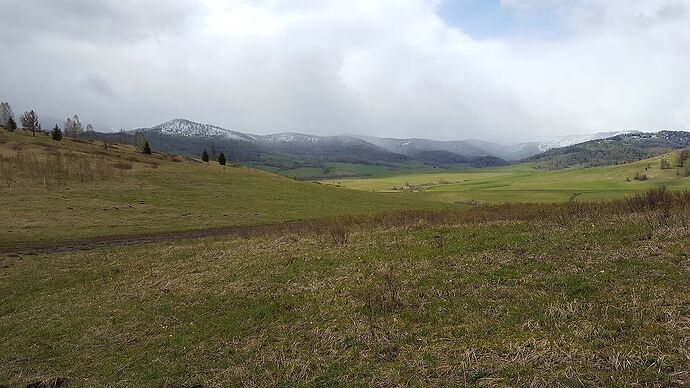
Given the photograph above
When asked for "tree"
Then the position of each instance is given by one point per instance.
(11, 124)
(683, 155)
(204, 156)
(56, 134)
(665, 164)
(73, 127)
(221, 159)
(6, 115)
(89, 128)
(139, 139)
(147, 149)
(30, 121)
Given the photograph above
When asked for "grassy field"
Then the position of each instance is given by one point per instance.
(349, 170)
(56, 192)
(524, 183)
(541, 296)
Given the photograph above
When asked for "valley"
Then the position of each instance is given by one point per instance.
(123, 268)
(527, 183)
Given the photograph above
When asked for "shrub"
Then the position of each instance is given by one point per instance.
(339, 233)
(56, 133)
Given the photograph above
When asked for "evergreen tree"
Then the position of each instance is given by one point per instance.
(221, 159)
(56, 134)
(147, 149)
(11, 124)
(204, 156)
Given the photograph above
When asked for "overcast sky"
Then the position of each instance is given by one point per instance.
(488, 69)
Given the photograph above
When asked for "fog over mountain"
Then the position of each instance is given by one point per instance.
(391, 68)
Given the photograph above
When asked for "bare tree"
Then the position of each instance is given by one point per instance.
(5, 114)
(73, 127)
(30, 121)
(89, 128)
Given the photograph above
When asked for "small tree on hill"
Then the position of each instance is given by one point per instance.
(147, 148)
(6, 114)
(683, 155)
(30, 121)
(221, 159)
(204, 156)
(56, 133)
(11, 124)
(73, 127)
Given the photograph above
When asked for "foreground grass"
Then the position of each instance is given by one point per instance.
(159, 193)
(580, 300)
(525, 183)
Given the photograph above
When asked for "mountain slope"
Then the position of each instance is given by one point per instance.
(623, 148)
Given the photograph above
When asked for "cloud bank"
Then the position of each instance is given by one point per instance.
(385, 68)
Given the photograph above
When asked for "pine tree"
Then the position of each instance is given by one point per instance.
(56, 134)
(204, 156)
(11, 124)
(221, 159)
(147, 149)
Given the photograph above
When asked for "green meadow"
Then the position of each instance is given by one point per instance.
(526, 183)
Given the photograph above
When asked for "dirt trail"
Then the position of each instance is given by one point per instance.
(119, 241)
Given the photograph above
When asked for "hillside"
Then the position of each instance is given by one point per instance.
(623, 148)
(71, 190)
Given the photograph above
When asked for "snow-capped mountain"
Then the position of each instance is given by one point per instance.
(291, 142)
(182, 127)
(549, 142)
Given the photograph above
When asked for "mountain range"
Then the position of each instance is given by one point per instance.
(284, 151)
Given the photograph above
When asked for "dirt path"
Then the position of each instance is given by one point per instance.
(120, 241)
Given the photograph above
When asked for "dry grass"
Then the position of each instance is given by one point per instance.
(500, 302)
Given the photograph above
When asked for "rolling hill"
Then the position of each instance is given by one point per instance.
(77, 189)
(623, 148)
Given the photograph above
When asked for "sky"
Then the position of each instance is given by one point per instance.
(497, 70)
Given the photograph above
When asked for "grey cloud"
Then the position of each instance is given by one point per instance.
(94, 21)
(387, 68)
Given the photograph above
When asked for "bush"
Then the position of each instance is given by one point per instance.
(56, 133)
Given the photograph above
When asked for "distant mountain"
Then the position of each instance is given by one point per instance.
(477, 148)
(187, 128)
(292, 150)
(622, 148)
(549, 142)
